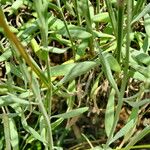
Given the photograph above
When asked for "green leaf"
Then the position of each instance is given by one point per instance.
(138, 104)
(101, 17)
(13, 134)
(122, 131)
(35, 134)
(56, 123)
(77, 70)
(141, 14)
(75, 32)
(16, 4)
(147, 24)
(6, 131)
(42, 128)
(141, 69)
(102, 35)
(61, 70)
(10, 99)
(146, 44)
(7, 54)
(114, 65)
(138, 137)
(109, 114)
(25, 125)
(142, 58)
(15, 70)
(55, 49)
(72, 113)
(55, 24)
(107, 71)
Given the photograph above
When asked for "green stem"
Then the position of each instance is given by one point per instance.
(67, 29)
(78, 14)
(120, 29)
(97, 11)
(43, 24)
(125, 77)
(89, 28)
(111, 15)
(14, 40)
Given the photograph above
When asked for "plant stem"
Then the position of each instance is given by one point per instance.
(97, 11)
(67, 29)
(89, 28)
(125, 77)
(14, 40)
(78, 14)
(43, 24)
(112, 16)
(120, 29)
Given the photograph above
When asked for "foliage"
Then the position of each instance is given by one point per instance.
(69, 67)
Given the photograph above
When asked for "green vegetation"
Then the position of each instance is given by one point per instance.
(74, 74)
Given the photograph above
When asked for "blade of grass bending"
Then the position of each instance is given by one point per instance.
(21, 49)
(107, 71)
(125, 77)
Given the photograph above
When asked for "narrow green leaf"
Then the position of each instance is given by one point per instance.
(138, 104)
(107, 71)
(13, 134)
(75, 32)
(138, 137)
(61, 70)
(35, 134)
(72, 113)
(55, 49)
(141, 14)
(147, 24)
(102, 35)
(55, 24)
(56, 123)
(109, 113)
(6, 132)
(146, 44)
(122, 131)
(10, 99)
(141, 69)
(142, 58)
(77, 70)
(101, 17)
(114, 65)
(7, 54)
